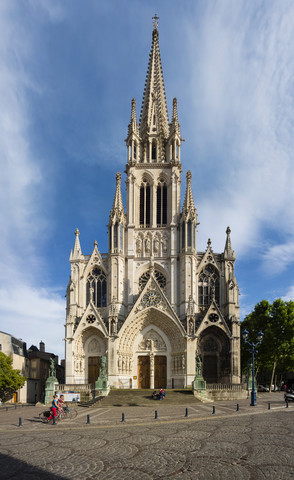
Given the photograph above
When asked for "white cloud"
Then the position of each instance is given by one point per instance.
(25, 311)
(242, 83)
(289, 294)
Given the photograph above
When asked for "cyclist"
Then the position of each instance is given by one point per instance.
(54, 407)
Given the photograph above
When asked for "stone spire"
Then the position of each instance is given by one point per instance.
(229, 252)
(133, 126)
(154, 105)
(77, 251)
(189, 205)
(175, 126)
(117, 207)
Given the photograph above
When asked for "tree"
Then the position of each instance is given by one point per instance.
(10, 379)
(276, 321)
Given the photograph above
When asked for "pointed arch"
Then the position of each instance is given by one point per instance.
(97, 287)
(208, 286)
(145, 204)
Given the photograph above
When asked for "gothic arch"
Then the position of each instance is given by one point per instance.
(215, 351)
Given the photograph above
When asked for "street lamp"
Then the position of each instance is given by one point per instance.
(245, 335)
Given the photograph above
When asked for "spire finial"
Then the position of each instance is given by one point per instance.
(77, 232)
(155, 21)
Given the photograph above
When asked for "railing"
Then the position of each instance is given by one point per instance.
(236, 387)
(77, 387)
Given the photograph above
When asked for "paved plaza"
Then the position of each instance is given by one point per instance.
(252, 443)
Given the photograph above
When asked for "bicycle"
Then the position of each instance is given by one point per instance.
(62, 414)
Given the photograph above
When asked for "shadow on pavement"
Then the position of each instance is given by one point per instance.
(13, 469)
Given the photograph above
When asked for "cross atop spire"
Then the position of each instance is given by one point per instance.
(155, 21)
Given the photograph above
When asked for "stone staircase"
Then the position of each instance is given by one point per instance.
(133, 398)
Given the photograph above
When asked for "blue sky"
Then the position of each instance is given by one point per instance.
(68, 72)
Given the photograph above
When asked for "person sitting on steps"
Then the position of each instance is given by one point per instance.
(161, 394)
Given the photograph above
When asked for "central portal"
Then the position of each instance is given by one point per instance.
(144, 371)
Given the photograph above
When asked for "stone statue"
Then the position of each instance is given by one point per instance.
(198, 366)
(52, 369)
(102, 366)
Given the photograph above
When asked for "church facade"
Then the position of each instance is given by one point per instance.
(153, 302)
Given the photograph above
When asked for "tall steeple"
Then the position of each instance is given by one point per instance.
(229, 252)
(154, 113)
(76, 253)
(117, 207)
(189, 205)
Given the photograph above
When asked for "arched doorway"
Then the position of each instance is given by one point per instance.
(214, 347)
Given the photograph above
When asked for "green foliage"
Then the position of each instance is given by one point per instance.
(10, 379)
(276, 321)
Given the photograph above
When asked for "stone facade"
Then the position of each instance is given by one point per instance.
(153, 302)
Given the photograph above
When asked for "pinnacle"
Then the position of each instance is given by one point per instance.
(189, 201)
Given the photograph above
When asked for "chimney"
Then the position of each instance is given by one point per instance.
(42, 346)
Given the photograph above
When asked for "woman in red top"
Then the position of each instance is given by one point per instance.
(54, 407)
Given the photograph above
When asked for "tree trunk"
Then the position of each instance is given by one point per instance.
(273, 374)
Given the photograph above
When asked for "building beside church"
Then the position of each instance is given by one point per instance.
(153, 302)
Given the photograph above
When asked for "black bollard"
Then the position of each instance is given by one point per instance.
(156, 415)
(287, 403)
(20, 422)
(186, 414)
(15, 407)
(6, 409)
(88, 419)
(269, 405)
(238, 407)
(122, 417)
(54, 420)
(213, 410)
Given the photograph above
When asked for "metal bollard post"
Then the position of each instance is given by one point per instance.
(88, 419)
(213, 410)
(186, 414)
(156, 415)
(22, 405)
(20, 422)
(269, 405)
(122, 417)
(287, 404)
(15, 407)
(6, 409)
(238, 407)
(54, 420)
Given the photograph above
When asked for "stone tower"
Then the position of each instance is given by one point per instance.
(153, 302)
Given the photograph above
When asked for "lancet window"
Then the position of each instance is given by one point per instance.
(154, 150)
(97, 287)
(161, 204)
(188, 235)
(145, 204)
(208, 286)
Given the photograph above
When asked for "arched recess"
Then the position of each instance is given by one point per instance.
(90, 346)
(166, 331)
(214, 348)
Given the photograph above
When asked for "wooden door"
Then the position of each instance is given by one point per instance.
(93, 369)
(143, 371)
(160, 371)
(210, 368)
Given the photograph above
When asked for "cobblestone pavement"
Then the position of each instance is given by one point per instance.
(253, 443)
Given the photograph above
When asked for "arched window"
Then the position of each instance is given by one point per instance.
(115, 235)
(208, 286)
(183, 234)
(135, 150)
(96, 287)
(121, 236)
(145, 204)
(189, 233)
(161, 216)
(154, 150)
(145, 277)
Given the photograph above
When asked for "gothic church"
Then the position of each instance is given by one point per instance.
(153, 302)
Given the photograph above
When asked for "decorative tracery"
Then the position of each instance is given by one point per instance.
(145, 277)
(208, 286)
(97, 287)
